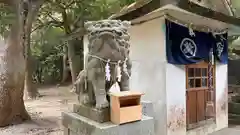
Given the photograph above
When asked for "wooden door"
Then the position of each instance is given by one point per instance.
(198, 93)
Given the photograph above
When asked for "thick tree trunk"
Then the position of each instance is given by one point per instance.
(12, 73)
(30, 89)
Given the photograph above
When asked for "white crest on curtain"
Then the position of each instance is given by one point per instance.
(188, 47)
(220, 47)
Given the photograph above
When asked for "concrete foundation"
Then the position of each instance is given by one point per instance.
(75, 124)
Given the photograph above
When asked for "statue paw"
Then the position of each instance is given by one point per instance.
(102, 105)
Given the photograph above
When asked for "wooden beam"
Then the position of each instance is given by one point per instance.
(151, 6)
(184, 4)
(209, 13)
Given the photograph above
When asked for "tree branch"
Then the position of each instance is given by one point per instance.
(75, 22)
(229, 7)
(77, 34)
(65, 22)
(54, 23)
(49, 15)
(58, 4)
(67, 6)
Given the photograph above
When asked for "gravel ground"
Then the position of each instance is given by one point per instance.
(45, 112)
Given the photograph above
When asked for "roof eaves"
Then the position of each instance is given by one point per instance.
(209, 13)
(131, 8)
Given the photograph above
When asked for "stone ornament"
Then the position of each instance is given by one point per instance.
(107, 62)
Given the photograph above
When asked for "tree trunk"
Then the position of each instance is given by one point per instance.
(80, 49)
(75, 59)
(12, 73)
(70, 47)
(72, 64)
(65, 65)
(30, 88)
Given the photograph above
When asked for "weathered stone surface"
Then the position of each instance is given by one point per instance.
(235, 99)
(147, 108)
(98, 115)
(66, 131)
(234, 108)
(79, 125)
(108, 55)
(234, 119)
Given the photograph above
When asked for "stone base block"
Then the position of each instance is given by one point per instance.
(100, 116)
(75, 124)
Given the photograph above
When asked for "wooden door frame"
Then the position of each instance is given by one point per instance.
(200, 65)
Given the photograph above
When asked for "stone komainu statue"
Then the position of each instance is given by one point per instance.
(106, 63)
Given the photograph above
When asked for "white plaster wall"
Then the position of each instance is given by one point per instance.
(176, 102)
(221, 96)
(176, 99)
(165, 84)
(148, 57)
(148, 72)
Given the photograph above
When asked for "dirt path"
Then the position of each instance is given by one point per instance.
(45, 113)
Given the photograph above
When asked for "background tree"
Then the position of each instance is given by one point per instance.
(233, 40)
(31, 8)
(59, 25)
(70, 17)
(12, 71)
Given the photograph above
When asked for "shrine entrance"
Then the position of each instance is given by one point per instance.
(200, 94)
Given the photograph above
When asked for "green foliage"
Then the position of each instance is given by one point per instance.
(47, 52)
(58, 19)
(67, 17)
(235, 6)
(6, 18)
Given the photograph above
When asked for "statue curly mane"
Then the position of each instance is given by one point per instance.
(110, 34)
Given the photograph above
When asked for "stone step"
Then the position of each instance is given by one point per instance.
(234, 116)
(234, 89)
(234, 108)
(235, 98)
(233, 122)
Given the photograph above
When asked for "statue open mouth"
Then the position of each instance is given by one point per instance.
(107, 33)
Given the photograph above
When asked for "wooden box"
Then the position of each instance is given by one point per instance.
(125, 107)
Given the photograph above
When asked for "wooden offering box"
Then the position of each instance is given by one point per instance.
(125, 107)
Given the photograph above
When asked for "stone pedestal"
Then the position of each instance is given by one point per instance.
(100, 116)
(75, 124)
